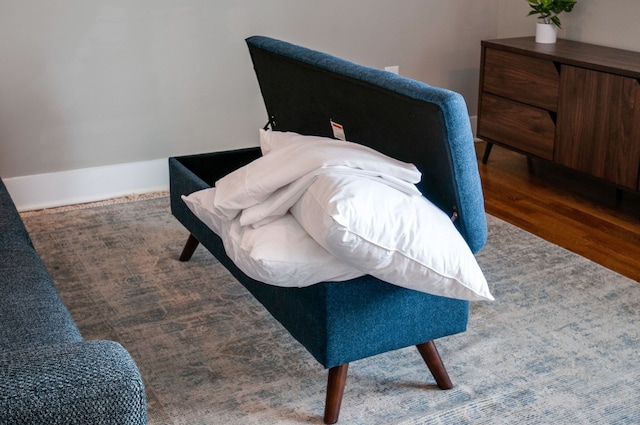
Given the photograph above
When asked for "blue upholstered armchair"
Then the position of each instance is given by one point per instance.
(48, 373)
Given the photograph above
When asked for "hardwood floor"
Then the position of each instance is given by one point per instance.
(568, 209)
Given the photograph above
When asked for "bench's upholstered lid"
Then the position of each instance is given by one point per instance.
(304, 91)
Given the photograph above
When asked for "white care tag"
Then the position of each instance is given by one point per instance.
(338, 131)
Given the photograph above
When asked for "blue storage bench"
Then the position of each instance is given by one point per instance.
(341, 322)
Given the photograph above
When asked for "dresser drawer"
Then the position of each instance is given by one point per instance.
(523, 127)
(529, 80)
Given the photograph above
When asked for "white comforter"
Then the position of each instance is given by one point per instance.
(266, 188)
(250, 210)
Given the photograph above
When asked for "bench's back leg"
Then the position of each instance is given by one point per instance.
(189, 248)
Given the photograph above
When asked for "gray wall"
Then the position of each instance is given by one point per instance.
(88, 83)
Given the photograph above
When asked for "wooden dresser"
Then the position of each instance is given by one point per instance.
(575, 104)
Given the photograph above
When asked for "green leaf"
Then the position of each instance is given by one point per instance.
(548, 10)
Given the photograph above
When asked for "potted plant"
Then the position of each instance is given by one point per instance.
(547, 12)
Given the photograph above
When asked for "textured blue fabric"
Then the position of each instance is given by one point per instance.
(31, 311)
(48, 374)
(12, 231)
(88, 382)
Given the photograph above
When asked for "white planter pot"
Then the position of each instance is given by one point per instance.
(546, 33)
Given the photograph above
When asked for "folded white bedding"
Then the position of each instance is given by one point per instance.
(289, 163)
(390, 230)
(280, 253)
(398, 238)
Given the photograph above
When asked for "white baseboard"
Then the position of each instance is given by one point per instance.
(88, 184)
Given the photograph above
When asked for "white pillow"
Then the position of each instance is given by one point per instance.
(279, 253)
(291, 156)
(401, 239)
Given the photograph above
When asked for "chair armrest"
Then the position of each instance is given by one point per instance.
(89, 382)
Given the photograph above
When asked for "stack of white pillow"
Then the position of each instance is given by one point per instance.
(314, 209)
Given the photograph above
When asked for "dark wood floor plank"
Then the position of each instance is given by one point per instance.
(568, 209)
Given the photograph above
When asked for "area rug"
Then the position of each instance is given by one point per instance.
(560, 345)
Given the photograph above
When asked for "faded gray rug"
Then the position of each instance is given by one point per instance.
(561, 344)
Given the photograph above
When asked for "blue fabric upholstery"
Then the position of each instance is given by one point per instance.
(48, 373)
(303, 90)
(88, 382)
(31, 311)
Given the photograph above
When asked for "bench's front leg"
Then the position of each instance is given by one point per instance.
(335, 391)
(433, 360)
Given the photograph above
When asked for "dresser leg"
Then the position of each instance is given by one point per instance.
(619, 194)
(487, 152)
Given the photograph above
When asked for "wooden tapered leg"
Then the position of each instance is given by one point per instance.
(432, 358)
(335, 391)
(189, 248)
